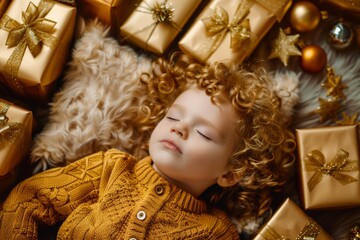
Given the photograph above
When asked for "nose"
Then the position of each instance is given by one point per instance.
(180, 130)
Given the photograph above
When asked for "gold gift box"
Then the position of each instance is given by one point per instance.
(15, 135)
(328, 162)
(3, 6)
(36, 76)
(111, 12)
(149, 31)
(253, 20)
(352, 6)
(68, 2)
(291, 222)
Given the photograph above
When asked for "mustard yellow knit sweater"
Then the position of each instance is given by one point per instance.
(109, 196)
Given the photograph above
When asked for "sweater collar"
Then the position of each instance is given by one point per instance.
(148, 176)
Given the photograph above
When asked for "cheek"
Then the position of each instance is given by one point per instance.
(158, 130)
(208, 155)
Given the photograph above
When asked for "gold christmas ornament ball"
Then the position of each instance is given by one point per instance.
(313, 59)
(304, 16)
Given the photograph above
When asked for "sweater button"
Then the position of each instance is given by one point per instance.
(141, 215)
(159, 190)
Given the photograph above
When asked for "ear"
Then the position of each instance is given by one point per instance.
(228, 179)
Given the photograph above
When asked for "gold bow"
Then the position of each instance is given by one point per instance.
(218, 25)
(162, 12)
(310, 232)
(340, 163)
(32, 33)
(9, 131)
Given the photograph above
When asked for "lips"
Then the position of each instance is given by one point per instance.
(171, 145)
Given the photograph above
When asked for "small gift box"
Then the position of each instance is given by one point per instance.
(328, 161)
(154, 24)
(290, 222)
(231, 30)
(15, 135)
(111, 12)
(35, 38)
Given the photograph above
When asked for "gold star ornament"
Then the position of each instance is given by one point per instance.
(284, 46)
(334, 85)
(328, 108)
(348, 120)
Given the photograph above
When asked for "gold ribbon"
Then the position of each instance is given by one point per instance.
(10, 131)
(34, 32)
(310, 232)
(162, 13)
(218, 25)
(316, 162)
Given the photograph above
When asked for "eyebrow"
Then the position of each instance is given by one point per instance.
(201, 119)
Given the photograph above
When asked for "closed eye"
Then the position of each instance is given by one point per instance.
(204, 136)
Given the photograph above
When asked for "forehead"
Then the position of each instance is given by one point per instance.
(197, 102)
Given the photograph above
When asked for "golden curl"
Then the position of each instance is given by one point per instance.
(265, 152)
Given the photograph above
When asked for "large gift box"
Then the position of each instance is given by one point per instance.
(15, 135)
(230, 30)
(291, 222)
(111, 12)
(154, 24)
(35, 38)
(328, 161)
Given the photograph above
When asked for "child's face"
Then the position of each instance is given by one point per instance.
(191, 146)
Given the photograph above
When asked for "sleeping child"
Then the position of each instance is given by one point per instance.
(217, 148)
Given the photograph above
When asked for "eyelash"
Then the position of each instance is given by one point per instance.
(172, 119)
(204, 136)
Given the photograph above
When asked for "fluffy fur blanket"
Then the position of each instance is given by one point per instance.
(89, 112)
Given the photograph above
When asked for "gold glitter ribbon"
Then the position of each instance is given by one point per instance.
(218, 25)
(34, 32)
(315, 161)
(162, 13)
(310, 232)
(12, 132)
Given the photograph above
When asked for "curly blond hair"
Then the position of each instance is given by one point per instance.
(264, 153)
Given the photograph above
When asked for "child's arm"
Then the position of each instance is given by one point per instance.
(50, 196)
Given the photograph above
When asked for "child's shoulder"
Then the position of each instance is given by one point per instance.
(115, 153)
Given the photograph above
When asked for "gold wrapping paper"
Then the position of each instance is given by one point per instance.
(68, 2)
(261, 17)
(3, 6)
(352, 6)
(110, 12)
(48, 60)
(12, 151)
(142, 29)
(290, 222)
(7, 182)
(328, 161)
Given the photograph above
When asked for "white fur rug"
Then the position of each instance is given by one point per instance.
(89, 111)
